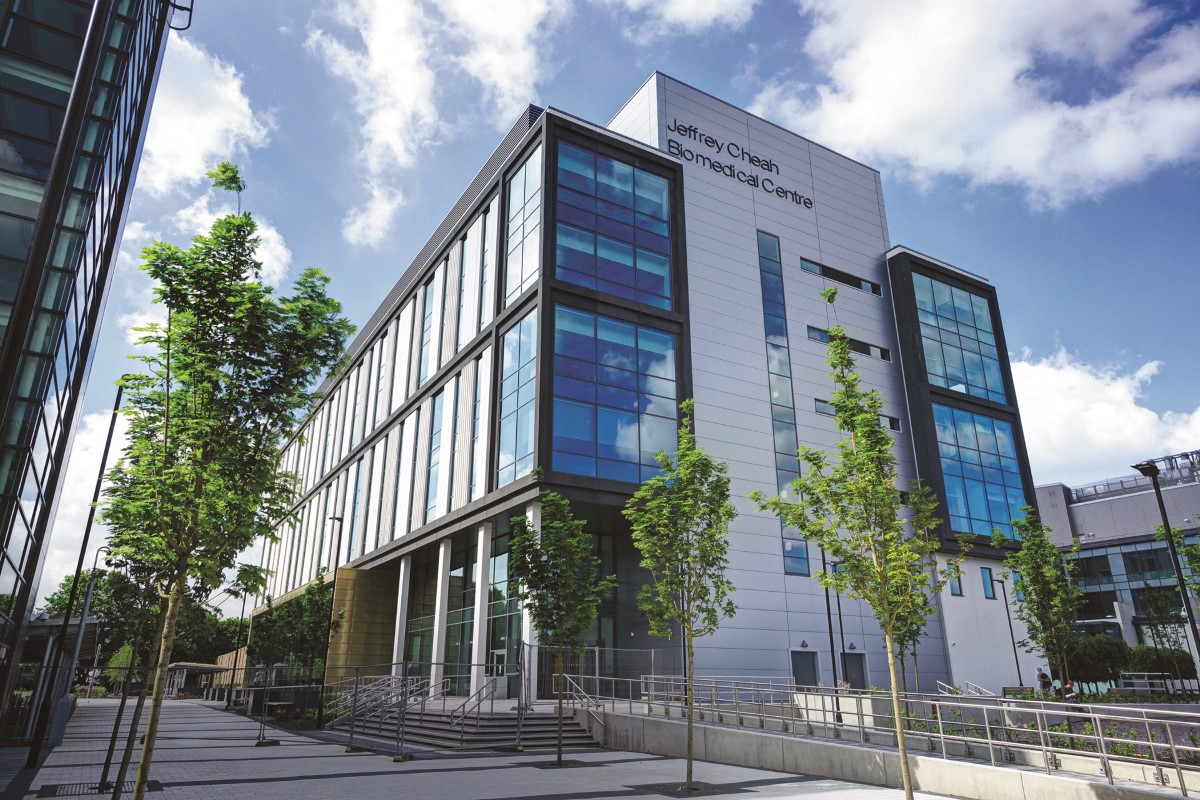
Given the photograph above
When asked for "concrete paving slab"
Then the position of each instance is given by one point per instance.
(205, 753)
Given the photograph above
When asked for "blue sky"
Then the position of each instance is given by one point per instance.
(1052, 147)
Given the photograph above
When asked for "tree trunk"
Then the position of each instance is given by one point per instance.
(916, 672)
(691, 695)
(136, 720)
(558, 657)
(903, 674)
(905, 777)
(160, 682)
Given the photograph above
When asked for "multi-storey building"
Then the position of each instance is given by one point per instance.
(1120, 558)
(589, 279)
(76, 82)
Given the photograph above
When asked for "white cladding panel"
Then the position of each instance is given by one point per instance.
(742, 175)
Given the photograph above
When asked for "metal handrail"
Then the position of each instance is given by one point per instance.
(976, 690)
(1168, 742)
(474, 703)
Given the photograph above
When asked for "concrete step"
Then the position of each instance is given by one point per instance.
(490, 730)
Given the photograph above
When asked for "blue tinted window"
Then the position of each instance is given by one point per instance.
(956, 587)
(613, 227)
(958, 340)
(980, 471)
(517, 373)
(614, 396)
(779, 387)
(989, 586)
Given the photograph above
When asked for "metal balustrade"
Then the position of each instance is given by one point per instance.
(1131, 743)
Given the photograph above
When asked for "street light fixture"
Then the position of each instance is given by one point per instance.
(329, 623)
(1150, 470)
(1012, 636)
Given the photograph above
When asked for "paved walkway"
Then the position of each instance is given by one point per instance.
(205, 753)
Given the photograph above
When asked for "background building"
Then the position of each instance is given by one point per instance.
(1114, 522)
(76, 82)
(588, 280)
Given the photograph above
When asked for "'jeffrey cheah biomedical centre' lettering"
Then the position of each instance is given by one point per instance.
(730, 169)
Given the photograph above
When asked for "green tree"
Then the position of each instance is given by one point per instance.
(680, 522)
(1164, 619)
(225, 381)
(1049, 600)
(1097, 657)
(118, 602)
(853, 509)
(1145, 658)
(294, 632)
(555, 561)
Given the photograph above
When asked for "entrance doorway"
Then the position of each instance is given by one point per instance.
(804, 668)
(854, 667)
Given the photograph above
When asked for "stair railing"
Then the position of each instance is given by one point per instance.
(585, 700)
(473, 706)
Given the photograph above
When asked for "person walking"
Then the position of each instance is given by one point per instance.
(1045, 683)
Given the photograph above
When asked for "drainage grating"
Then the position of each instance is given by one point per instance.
(88, 789)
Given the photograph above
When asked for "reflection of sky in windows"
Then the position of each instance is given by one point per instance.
(614, 396)
(779, 381)
(517, 373)
(980, 469)
(613, 230)
(524, 226)
(959, 343)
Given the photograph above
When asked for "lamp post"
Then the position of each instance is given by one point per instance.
(829, 620)
(329, 623)
(1151, 471)
(87, 605)
(1012, 636)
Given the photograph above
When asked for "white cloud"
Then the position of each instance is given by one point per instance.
(70, 522)
(368, 223)
(200, 116)
(928, 88)
(505, 48)
(1086, 423)
(666, 17)
(400, 57)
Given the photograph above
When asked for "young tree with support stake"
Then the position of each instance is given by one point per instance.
(680, 520)
(559, 581)
(226, 381)
(853, 508)
(1049, 599)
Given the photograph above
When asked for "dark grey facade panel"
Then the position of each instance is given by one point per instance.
(902, 264)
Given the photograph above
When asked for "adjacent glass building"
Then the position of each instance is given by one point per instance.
(588, 280)
(76, 83)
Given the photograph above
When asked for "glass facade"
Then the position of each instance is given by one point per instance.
(783, 407)
(980, 470)
(460, 612)
(427, 354)
(958, 340)
(844, 278)
(863, 348)
(517, 392)
(68, 154)
(524, 227)
(435, 458)
(615, 403)
(613, 228)
(1124, 572)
